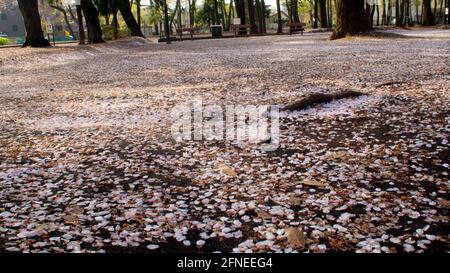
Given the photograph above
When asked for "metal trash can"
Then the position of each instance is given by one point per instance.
(216, 30)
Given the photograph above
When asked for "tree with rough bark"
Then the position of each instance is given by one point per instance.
(323, 13)
(32, 22)
(428, 17)
(316, 16)
(295, 15)
(350, 18)
(280, 26)
(127, 15)
(91, 16)
(240, 10)
(251, 16)
(263, 15)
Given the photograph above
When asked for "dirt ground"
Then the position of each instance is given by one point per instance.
(87, 162)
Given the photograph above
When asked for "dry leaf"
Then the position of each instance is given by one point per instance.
(71, 219)
(296, 237)
(263, 214)
(226, 170)
(313, 182)
(296, 201)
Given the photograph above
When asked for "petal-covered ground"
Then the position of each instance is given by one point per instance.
(87, 161)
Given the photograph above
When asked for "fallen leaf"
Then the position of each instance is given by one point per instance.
(296, 237)
(314, 183)
(263, 214)
(295, 201)
(226, 170)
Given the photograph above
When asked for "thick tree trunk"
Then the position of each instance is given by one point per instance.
(295, 16)
(128, 17)
(32, 21)
(350, 18)
(428, 17)
(93, 23)
(323, 13)
(258, 15)
(240, 10)
(280, 26)
(399, 13)
(251, 16)
(263, 14)
(441, 12)
(215, 13)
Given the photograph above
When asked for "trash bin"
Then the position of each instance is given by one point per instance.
(216, 30)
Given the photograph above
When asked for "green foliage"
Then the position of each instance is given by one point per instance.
(154, 13)
(108, 32)
(4, 41)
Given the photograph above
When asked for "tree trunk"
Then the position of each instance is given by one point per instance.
(316, 7)
(115, 24)
(32, 21)
(215, 13)
(389, 13)
(72, 15)
(408, 13)
(258, 15)
(240, 10)
(448, 15)
(280, 26)
(128, 17)
(93, 23)
(263, 15)
(417, 12)
(371, 15)
(399, 13)
(441, 6)
(378, 14)
(251, 16)
(295, 16)
(224, 12)
(350, 18)
(229, 15)
(323, 13)
(428, 17)
(179, 12)
(138, 7)
(330, 13)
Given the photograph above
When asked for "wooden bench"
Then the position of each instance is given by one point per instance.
(191, 31)
(238, 28)
(295, 27)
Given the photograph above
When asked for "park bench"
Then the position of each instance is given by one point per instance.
(190, 30)
(295, 28)
(238, 28)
